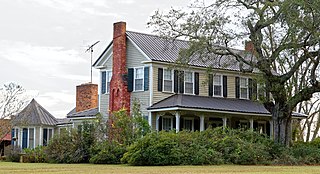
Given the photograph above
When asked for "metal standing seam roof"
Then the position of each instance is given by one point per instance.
(211, 103)
(86, 113)
(34, 114)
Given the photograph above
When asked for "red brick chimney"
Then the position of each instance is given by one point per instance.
(249, 47)
(86, 97)
(119, 95)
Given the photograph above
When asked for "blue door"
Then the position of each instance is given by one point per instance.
(24, 138)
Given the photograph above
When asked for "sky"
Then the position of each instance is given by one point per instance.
(43, 42)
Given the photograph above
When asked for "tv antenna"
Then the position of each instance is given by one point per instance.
(90, 48)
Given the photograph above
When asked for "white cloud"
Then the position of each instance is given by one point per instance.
(126, 1)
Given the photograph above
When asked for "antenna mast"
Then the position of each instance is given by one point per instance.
(90, 48)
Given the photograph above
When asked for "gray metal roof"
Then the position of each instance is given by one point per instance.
(211, 103)
(34, 114)
(86, 113)
(63, 121)
(164, 50)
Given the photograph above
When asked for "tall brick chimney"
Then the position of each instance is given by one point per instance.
(119, 95)
(249, 47)
(86, 97)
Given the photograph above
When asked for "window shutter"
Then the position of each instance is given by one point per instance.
(196, 83)
(175, 81)
(24, 138)
(130, 79)
(225, 86)
(254, 89)
(250, 89)
(103, 82)
(146, 78)
(181, 82)
(12, 135)
(237, 87)
(160, 79)
(210, 85)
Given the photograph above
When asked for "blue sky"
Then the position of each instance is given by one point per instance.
(43, 42)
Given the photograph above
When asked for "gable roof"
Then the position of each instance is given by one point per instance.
(34, 114)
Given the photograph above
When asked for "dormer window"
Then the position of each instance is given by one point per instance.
(217, 85)
(188, 82)
(167, 80)
(243, 88)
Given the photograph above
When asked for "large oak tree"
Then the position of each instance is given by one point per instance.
(280, 31)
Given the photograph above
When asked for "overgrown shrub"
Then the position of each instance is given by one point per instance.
(36, 155)
(14, 155)
(107, 152)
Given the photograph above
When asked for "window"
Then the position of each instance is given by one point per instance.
(261, 127)
(167, 80)
(167, 123)
(244, 124)
(31, 138)
(47, 135)
(217, 85)
(138, 79)
(108, 79)
(188, 124)
(243, 88)
(188, 82)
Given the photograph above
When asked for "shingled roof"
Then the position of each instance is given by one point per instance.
(34, 114)
(159, 49)
(86, 113)
(182, 101)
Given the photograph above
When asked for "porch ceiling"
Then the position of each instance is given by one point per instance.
(188, 102)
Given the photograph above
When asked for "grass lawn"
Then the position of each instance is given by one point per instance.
(7, 167)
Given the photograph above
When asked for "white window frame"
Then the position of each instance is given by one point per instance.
(189, 119)
(171, 119)
(34, 137)
(108, 81)
(48, 138)
(192, 81)
(247, 86)
(221, 84)
(172, 81)
(134, 78)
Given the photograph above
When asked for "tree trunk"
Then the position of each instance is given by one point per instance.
(282, 124)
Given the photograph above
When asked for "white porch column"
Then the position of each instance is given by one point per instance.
(157, 122)
(224, 120)
(251, 124)
(150, 119)
(177, 121)
(201, 123)
(40, 136)
(271, 129)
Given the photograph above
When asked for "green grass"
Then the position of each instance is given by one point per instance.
(7, 167)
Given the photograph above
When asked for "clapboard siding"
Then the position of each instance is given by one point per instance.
(134, 56)
(231, 86)
(157, 95)
(143, 98)
(203, 84)
(104, 105)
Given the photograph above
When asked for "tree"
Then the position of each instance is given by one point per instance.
(278, 30)
(12, 100)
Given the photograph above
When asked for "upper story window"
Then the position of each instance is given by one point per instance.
(138, 79)
(243, 88)
(217, 85)
(167, 80)
(108, 79)
(188, 82)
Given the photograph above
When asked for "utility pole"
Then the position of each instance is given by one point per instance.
(90, 48)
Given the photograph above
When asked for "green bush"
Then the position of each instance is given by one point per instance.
(14, 155)
(36, 155)
(107, 153)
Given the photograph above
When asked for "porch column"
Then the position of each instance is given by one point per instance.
(177, 121)
(271, 129)
(201, 123)
(157, 123)
(150, 119)
(251, 124)
(224, 120)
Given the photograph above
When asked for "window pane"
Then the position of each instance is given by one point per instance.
(108, 87)
(138, 84)
(167, 85)
(217, 90)
(189, 88)
(50, 134)
(139, 73)
(166, 124)
(188, 124)
(217, 80)
(188, 77)
(109, 75)
(244, 92)
(167, 74)
(243, 82)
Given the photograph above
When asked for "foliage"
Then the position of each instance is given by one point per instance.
(14, 155)
(283, 38)
(36, 155)
(197, 148)
(73, 146)
(107, 152)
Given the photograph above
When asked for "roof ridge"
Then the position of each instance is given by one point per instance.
(154, 35)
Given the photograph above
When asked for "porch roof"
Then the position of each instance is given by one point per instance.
(214, 104)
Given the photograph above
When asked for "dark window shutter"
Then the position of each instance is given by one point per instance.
(146, 78)
(225, 86)
(175, 81)
(237, 87)
(181, 82)
(103, 82)
(196, 83)
(174, 121)
(24, 138)
(130, 79)
(160, 123)
(160, 79)
(210, 84)
(254, 89)
(250, 89)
